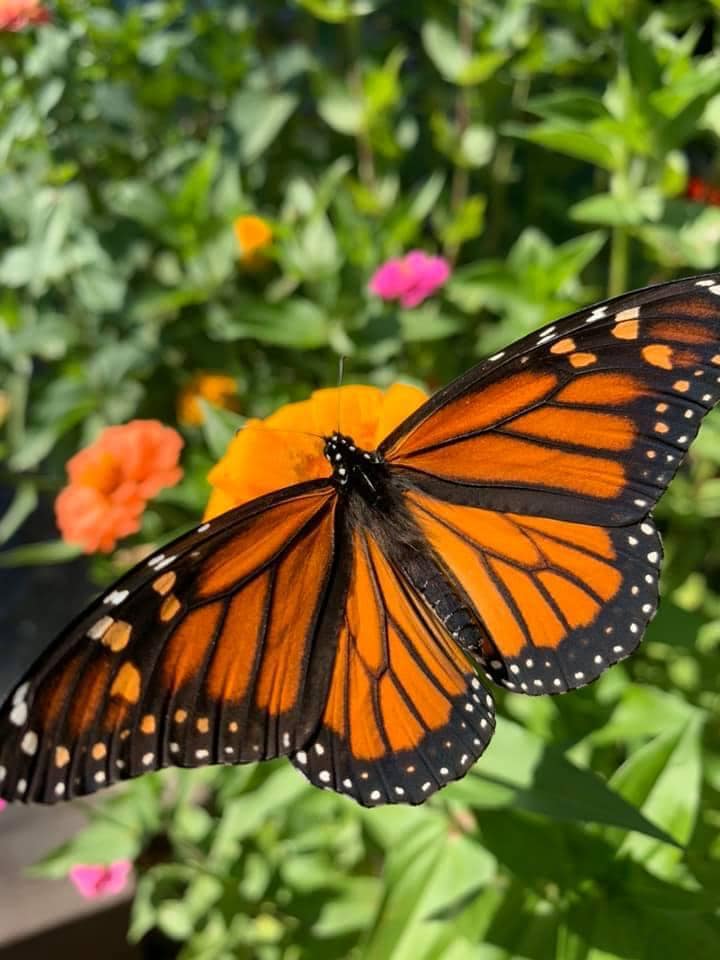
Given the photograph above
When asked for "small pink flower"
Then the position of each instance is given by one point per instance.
(410, 279)
(15, 15)
(94, 881)
(3, 804)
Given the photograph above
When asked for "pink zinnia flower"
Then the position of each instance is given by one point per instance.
(15, 15)
(3, 804)
(410, 279)
(92, 881)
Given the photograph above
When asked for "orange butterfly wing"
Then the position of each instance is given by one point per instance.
(559, 602)
(198, 655)
(586, 420)
(405, 713)
(533, 476)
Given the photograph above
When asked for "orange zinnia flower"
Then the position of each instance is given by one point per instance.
(111, 481)
(15, 15)
(253, 234)
(281, 450)
(217, 389)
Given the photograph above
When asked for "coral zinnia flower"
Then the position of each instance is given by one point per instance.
(287, 447)
(94, 881)
(253, 234)
(217, 389)
(111, 481)
(15, 15)
(410, 279)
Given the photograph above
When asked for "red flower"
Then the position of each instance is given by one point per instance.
(112, 480)
(15, 15)
(701, 191)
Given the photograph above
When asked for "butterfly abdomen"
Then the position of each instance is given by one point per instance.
(447, 605)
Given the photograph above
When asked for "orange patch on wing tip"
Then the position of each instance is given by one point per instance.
(626, 330)
(661, 427)
(170, 607)
(582, 359)
(62, 756)
(566, 345)
(126, 684)
(117, 636)
(164, 583)
(682, 386)
(658, 355)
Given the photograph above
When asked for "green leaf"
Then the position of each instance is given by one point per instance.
(295, 323)
(519, 770)
(338, 11)
(39, 554)
(259, 117)
(571, 139)
(22, 505)
(219, 427)
(477, 145)
(452, 60)
(443, 48)
(342, 111)
(426, 872)
(244, 815)
(664, 778)
(466, 222)
(427, 323)
(637, 207)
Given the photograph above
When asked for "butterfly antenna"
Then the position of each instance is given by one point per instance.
(341, 374)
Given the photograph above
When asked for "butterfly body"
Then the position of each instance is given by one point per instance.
(503, 526)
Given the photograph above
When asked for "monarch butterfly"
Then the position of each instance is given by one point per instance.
(504, 525)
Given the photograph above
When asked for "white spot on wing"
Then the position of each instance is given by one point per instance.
(116, 597)
(19, 714)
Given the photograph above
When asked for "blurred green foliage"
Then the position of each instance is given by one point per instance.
(543, 147)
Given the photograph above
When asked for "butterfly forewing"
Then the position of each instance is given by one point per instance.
(196, 656)
(586, 420)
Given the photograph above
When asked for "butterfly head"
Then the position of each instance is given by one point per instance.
(346, 459)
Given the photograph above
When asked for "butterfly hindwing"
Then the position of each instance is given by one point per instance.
(198, 655)
(559, 602)
(586, 420)
(405, 713)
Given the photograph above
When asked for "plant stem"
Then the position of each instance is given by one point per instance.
(365, 156)
(461, 179)
(618, 272)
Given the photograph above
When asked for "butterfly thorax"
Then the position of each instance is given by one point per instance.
(354, 469)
